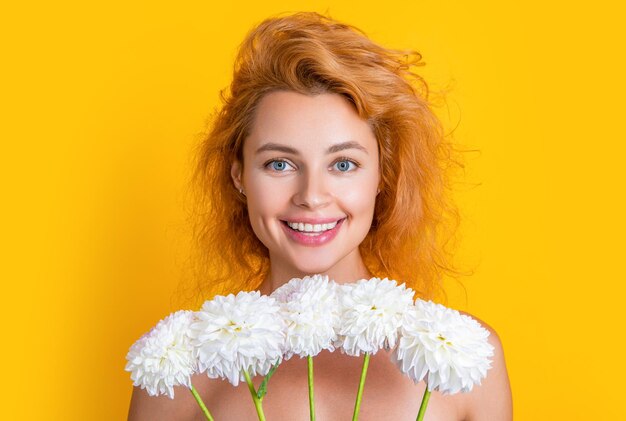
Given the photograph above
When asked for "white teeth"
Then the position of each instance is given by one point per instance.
(299, 226)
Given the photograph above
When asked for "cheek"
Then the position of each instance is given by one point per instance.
(359, 200)
(262, 205)
(259, 209)
(361, 188)
(265, 203)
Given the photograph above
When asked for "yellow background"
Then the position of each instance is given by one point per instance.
(102, 102)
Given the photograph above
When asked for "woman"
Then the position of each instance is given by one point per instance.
(325, 158)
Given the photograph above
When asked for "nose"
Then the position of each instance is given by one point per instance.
(312, 191)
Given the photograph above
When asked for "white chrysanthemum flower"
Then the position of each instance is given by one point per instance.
(447, 348)
(239, 332)
(163, 357)
(310, 308)
(371, 313)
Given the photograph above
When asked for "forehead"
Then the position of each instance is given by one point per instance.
(308, 123)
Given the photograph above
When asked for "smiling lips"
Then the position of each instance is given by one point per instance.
(311, 234)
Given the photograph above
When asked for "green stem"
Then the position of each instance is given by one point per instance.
(357, 404)
(309, 361)
(206, 412)
(420, 414)
(255, 398)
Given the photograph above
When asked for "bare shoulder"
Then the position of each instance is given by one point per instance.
(491, 400)
(154, 408)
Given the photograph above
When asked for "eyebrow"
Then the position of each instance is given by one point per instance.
(351, 144)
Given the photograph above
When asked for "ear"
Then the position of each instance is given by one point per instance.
(235, 174)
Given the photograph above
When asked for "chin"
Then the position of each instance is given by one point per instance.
(313, 270)
(313, 266)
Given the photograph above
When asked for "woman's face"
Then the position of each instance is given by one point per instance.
(310, 177)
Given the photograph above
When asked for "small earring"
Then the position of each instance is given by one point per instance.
(241, 191)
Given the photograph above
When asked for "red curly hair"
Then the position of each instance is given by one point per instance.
(309, 53)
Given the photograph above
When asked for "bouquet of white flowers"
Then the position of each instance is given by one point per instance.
(236, 337)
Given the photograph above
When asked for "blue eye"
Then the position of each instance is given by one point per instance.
(345, 165)
(278, 165)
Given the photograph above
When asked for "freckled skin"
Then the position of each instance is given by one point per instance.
(311, 183)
